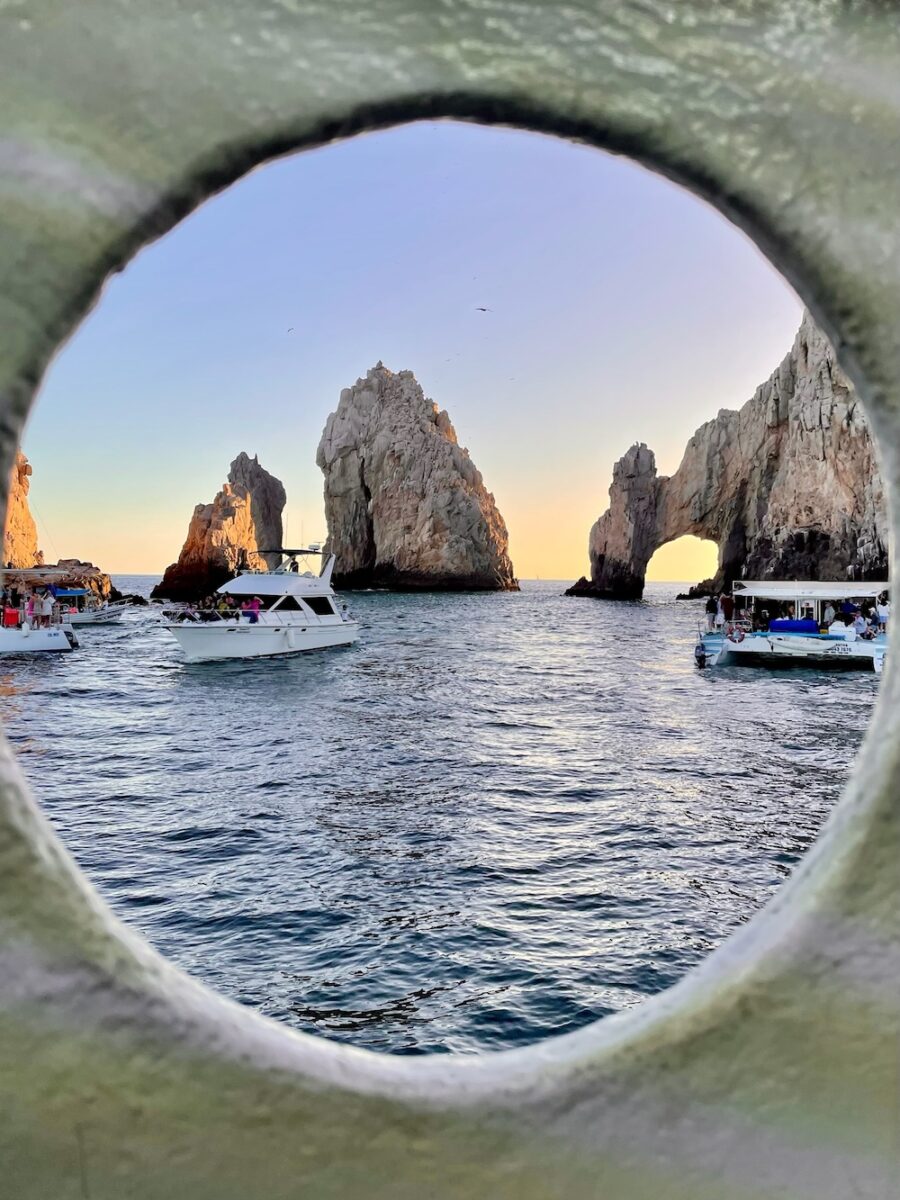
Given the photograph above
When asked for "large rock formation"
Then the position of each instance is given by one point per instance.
(405, 505)
(225, 536)
(20, 544)
(788, 487)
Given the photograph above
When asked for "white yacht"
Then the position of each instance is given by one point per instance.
(756, 638)
(284, 611)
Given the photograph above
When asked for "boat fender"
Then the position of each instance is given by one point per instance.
(290, 638)
(736, 635)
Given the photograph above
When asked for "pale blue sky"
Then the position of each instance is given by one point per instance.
(623, 309)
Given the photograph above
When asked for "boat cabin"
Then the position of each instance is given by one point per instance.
(759, 603)
(291, 591)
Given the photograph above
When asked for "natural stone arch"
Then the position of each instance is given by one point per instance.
(768, 1070)
(788, 487)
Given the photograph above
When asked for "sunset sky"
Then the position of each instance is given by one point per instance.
(621, 309)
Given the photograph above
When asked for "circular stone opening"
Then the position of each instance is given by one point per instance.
(500, 816)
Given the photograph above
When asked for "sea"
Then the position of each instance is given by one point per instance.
(496, 818)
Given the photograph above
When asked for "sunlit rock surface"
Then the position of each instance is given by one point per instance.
(225, 536)
(788, 487)
(20, 541)
(406, 506)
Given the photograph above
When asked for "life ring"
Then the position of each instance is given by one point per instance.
(736, 636)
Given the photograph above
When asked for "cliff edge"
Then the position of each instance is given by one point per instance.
(20, 543)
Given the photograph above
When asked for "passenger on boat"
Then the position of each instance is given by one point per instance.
(250, 608)
(711, 607)
(46, 609)
(861, 627)
(883, 611)
(727, 602)
(829, 614)
(29, 608)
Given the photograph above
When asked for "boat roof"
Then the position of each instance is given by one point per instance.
(280, 582)
(809, 589)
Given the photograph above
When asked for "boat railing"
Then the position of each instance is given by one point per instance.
(16, 617)
(207, 616)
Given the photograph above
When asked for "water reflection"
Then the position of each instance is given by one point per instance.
(496, 818)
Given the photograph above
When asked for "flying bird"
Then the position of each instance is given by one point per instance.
(480, 308)
(291, 330)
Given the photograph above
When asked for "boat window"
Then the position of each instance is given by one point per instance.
(289, 604)
(320, 605)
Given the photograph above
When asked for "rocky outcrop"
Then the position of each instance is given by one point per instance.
(788, 487)
(227, 535)
(20, 543)
(405, 505)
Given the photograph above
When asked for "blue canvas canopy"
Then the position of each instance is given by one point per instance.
(71, 591)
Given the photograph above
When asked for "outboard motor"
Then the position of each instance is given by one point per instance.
(700, 655)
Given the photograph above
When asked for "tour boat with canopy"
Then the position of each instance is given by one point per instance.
(779, 623)
(261, 613)
(33, 620)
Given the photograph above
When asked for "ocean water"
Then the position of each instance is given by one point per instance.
(497, 818)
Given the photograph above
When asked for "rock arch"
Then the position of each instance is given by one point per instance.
(787, 487)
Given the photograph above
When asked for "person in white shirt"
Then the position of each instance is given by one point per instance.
(883, 611)
(829, 614)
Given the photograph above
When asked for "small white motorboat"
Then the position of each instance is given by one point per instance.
(754, 638)
(264, 613)
(84, 607)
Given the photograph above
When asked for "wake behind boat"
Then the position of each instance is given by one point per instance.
(816, 624)
(264, 613)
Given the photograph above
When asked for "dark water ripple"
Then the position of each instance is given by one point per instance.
(497, 818)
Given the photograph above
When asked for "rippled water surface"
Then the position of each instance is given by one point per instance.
(496, 818)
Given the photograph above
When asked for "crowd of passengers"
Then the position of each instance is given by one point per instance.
(222, 608)
(865, 620)
(226, 608)
(28, 606)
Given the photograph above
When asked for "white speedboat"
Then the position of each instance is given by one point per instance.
(756, 638)
(83, 607)
(263, 613)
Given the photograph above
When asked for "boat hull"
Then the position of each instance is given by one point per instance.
(789, 649)
(220, 640)
(98, 616)
(36, 641)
